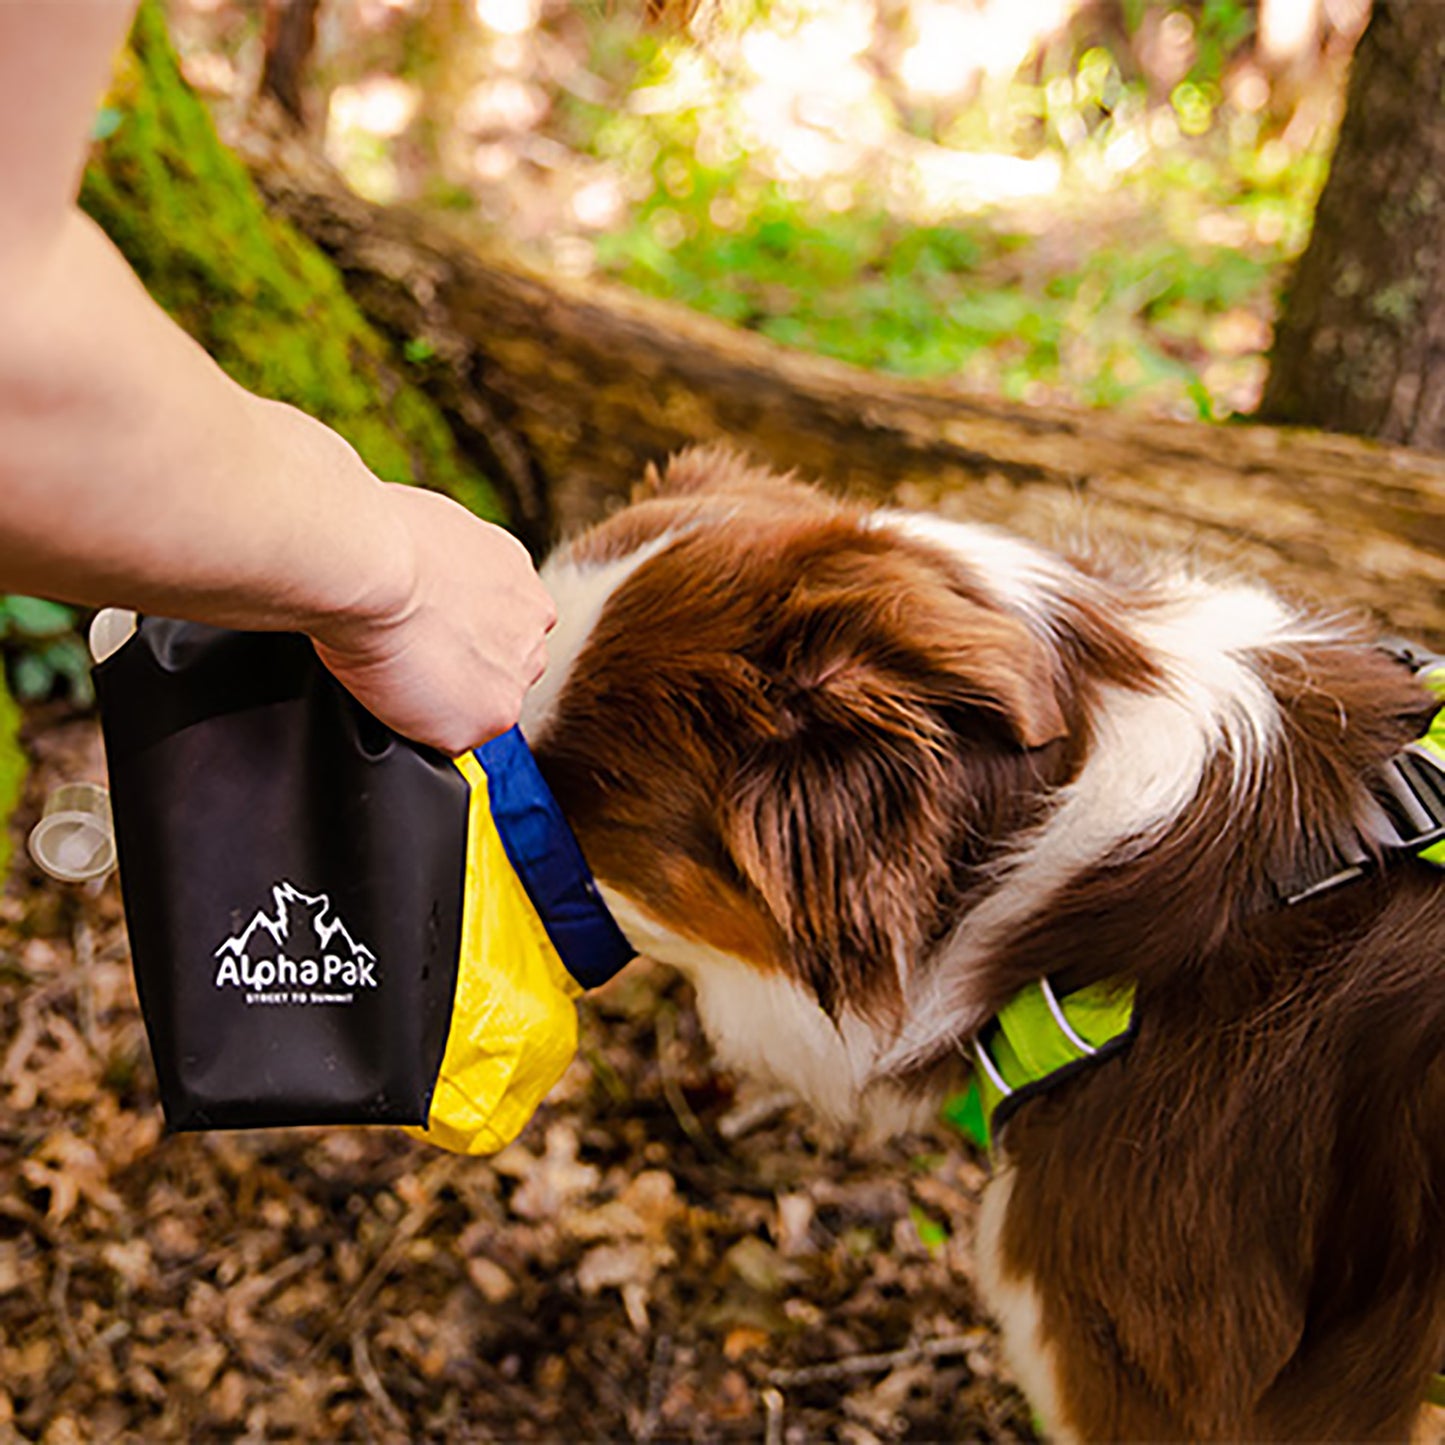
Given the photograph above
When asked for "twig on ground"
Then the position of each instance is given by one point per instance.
(251, 1291)
(750, 1114)
(432, 1179)
(26, 1037)
(82, 942)
(370, 1381)
(773, 1405)
(691, 1125)
(851, 1365)
(32, 1219)
(657, 1377)
(60, 1305)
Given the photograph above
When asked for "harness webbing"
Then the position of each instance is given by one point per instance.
(1039, 1038)
(1409, 787)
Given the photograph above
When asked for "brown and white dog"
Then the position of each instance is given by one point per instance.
(863, 774)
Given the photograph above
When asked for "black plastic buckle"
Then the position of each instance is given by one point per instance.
(1411, 654)
(1409, 787)
(1411, 790)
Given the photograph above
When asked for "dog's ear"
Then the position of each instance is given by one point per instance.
(900, 712)
(827, 832)
(881, 631)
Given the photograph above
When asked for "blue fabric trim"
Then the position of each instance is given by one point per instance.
(549, 862)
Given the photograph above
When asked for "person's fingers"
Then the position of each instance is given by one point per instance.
(452, 666)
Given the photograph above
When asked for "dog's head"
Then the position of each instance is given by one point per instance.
(791, 735)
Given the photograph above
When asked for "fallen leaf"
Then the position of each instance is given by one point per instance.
(493, 1283)
(228, 1399)
(794, 1224)
(12, 1274)
(646, 1209)
(759, 1265)
(63, 1430)
(198, 1365)
(548, 1182)
(70, 1168)
(131, 1260)
(635, 1262)
(743, 1340)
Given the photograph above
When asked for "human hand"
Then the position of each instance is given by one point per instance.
(449, 659)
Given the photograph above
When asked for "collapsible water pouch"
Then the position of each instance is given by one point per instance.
(330, 924)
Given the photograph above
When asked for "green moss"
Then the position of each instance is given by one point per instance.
(1398, 303)
(13, 766)
(262, 300)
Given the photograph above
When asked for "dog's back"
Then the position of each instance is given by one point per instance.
(1235, 1229)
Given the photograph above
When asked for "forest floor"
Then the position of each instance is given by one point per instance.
(663, 1255)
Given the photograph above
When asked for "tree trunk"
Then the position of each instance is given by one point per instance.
(1360, 346)
(264, 302)
(290, 39)
(580, 385)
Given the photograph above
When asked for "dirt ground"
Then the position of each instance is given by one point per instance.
(665, 1254)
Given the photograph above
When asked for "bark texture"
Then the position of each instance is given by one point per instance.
(1361, 344)
(577, 386)
(290, 39)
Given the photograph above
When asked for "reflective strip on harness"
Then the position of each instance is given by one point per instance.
(1037, 1038)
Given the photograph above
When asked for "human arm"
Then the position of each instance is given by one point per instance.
(132, 470)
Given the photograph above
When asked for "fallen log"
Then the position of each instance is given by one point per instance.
(569, 387)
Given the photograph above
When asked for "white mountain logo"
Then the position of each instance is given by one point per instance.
(299, 946)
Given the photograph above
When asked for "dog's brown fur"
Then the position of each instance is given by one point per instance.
(808, 743)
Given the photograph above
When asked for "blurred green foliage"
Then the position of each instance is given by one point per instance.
(13, 767)
(43, 656)
(803, 168)
(932, 1233)
(44, 653)
(965, 300)
(1148, 276)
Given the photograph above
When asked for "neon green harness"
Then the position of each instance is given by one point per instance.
(1035, 1041)
(1039, 1038)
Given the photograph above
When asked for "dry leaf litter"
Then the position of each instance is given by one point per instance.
(665, 1254)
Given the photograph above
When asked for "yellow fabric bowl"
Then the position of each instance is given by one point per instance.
(514, 1024)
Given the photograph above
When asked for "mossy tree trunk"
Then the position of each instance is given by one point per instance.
(1360, 346)
(266, 304)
